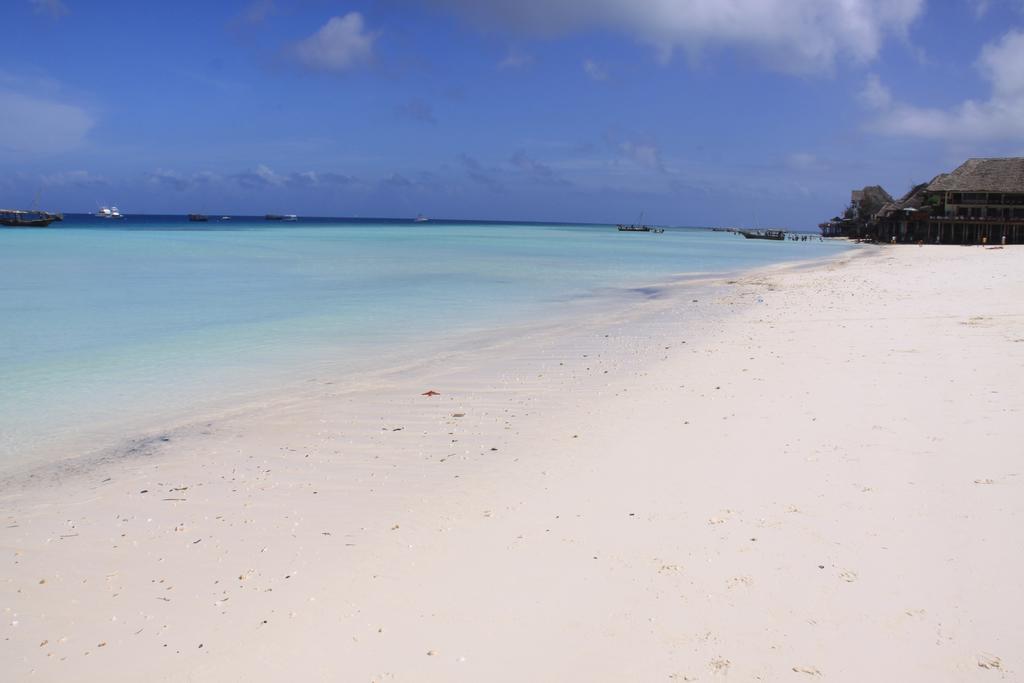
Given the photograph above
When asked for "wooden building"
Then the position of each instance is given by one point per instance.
(981, 201)
(856, 221)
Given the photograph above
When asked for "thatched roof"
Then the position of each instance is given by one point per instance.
(983, 175)
(913, 199)
(875, 193)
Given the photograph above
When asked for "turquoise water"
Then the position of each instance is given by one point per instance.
(107, 325)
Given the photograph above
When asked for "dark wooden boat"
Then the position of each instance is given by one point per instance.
(639, 226)
(763, 234)
(16, 218)
(273, 217)
(198, 218)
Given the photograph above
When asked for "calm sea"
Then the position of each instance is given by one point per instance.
(107, 325)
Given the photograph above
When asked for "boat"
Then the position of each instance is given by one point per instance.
(273, 217)
(291, 217)
(763, 234)
(420, 218)
(225, 218)
(639, 226)
(111, 212)
(17, 218)
(198, 218)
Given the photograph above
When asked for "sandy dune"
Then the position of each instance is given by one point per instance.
(802, 474)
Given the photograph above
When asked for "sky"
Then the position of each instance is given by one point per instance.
(697, 112)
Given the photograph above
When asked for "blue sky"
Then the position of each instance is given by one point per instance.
(699, 112)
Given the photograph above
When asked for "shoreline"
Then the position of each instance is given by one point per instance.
(599, 307)
(774, 488)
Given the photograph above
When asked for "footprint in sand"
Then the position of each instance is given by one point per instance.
(719, 665)
(848, 575)
(989, 661)
(809, 670)
(737, 581)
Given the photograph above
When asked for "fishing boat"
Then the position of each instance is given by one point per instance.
(225, 218)
(198, 218)
(639, 226)
(763, 234)
(16, 218)
(420, 218)
(291, 217)
(273, 217)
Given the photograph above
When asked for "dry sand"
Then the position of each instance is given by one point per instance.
(805, 473)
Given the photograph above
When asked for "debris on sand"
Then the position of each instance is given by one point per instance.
(987, 661)
(719, 665)
(809, 670)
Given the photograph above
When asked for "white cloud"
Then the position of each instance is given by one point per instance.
(874, 94)
(340, 44)
(1001, 117)
(802, 161)
(258, 11)
(643, 154)
(40, 125)
(515, 59)
(799, 36)
(181, 182)
(263, 178)
(594, 70)
(260, 177)
(55, 8)
(72, 178)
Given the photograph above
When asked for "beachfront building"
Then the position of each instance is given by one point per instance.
(856, 219)
(982, 201)
(904, 217)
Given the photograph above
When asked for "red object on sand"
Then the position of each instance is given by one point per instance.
(431, 393)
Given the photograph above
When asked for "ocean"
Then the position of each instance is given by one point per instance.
(108, 327)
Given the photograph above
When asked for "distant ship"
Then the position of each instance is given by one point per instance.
(198, 218)
(420, 218)
(111, 212)
(639, 226)
(281, 217)
(225, 218)
(290, 217)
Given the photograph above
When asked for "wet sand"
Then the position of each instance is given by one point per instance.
(797, 474)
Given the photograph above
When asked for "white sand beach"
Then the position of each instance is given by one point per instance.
(801, 474)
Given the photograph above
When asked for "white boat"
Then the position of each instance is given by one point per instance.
(225, 218)
(108, 212)
(290, 217)
(420, 218)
